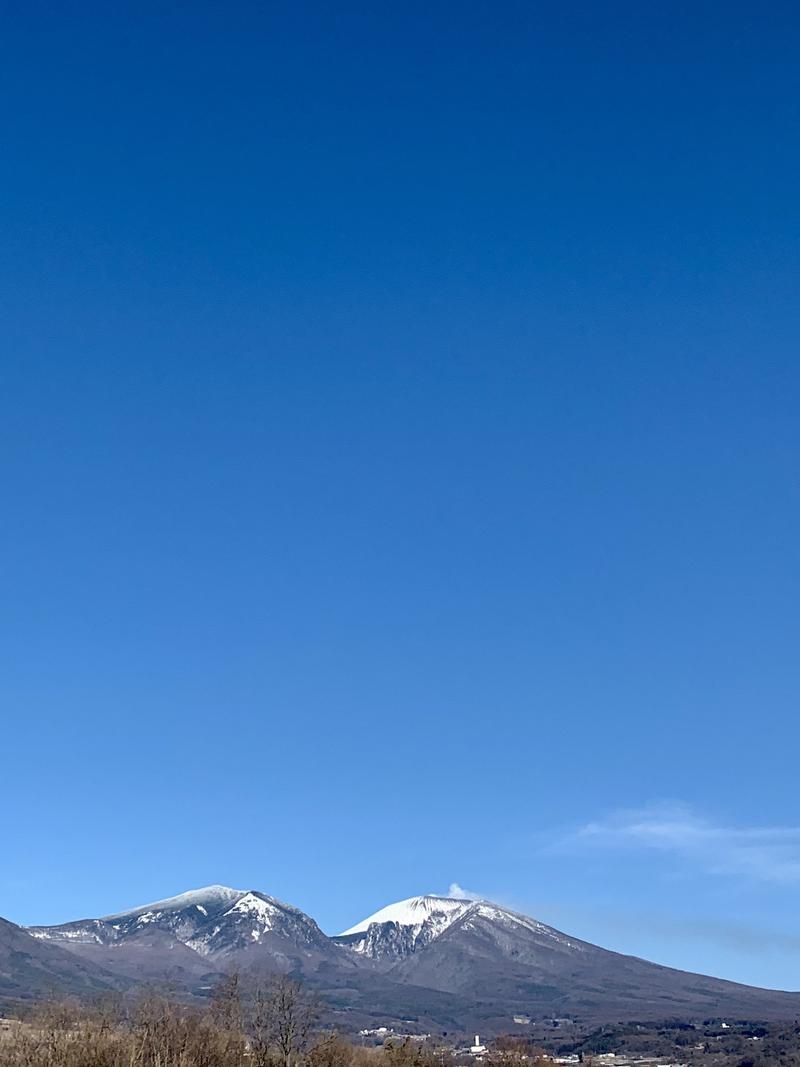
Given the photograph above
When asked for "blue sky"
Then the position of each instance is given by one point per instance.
(399, 463)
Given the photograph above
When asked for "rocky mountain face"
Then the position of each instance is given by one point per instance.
(503, 963)
(199, 934)
(399, 930)
(427, 963)
(490, 955)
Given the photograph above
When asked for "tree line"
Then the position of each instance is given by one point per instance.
(275, 1024)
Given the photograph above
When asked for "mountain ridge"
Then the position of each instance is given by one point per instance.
(30, 969)
(444, 961)
(214, 922)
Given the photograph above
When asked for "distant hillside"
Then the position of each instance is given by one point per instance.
(30, 968)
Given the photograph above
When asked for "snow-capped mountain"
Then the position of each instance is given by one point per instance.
(403, 929)
(182, 916)
(410, 925)
(443, 961)
(483, 954)
(201, 931)
(400, 929)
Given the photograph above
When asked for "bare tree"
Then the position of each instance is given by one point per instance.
(331, 1051)
(280, 1023)
(226, 1004)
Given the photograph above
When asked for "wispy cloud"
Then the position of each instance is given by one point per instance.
(763, 853)
(460, 893)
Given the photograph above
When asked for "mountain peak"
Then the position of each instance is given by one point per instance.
(414, 911)
(208, 895)
(462, 951)
(403, 928)
(215, 922)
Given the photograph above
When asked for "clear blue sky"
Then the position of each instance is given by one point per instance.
(399, 411)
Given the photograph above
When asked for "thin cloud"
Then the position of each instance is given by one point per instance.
(460, 893)
(765, 853)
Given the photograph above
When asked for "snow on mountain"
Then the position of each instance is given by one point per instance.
(215, 923)
(414, 912)
(513, 921)
(29, 968)
(400, 929)
(430, 957)
(181, 917)
(404, 928)
(211, 895)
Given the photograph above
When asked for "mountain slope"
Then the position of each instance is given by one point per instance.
(200, 933)
(30, 969)
(401, 929)
(430, 962)
(504, 963)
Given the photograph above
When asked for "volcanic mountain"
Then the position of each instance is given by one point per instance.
(502, 962)
(429, 962)
(197, 935)
(400, 929)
